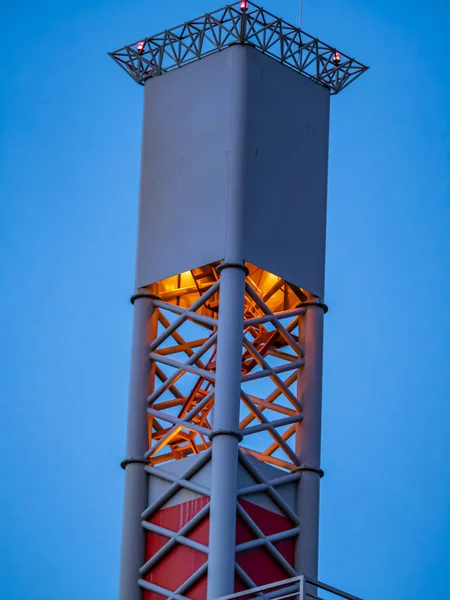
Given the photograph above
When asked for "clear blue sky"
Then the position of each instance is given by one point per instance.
(70, 149)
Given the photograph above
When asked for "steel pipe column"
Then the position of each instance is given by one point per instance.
(136, 479)
(309, 442)
(225, 436)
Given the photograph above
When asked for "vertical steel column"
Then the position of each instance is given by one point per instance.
(136, 480)
(308, 442)
(225, 436)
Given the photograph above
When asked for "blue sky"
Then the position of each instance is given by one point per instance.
(69, 174)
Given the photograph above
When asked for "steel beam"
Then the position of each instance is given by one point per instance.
(308, 443)
(136, 479)
(225, 437)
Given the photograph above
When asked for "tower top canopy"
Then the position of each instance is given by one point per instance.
(239, 23)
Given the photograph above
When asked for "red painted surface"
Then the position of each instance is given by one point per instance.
(182, 561)
(176, 516)
(268, 521)
(258, 563)
(243, 532)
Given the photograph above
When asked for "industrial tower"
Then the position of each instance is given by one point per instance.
(222, 466)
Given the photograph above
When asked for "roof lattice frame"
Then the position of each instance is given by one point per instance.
(230, 25)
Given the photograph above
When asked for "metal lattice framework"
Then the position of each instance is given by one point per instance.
(239, 23)
(183, 367)
(181, 537)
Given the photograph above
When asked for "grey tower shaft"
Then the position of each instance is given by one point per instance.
(231, 240)
(212, 170)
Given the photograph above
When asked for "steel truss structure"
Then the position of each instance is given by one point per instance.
(175, 539)
(183, 352)
(239, 23)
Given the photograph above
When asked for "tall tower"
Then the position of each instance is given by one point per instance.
(222, 466)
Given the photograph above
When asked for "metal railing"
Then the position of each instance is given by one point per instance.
(298, 588)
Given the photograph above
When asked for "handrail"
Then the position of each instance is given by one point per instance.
(294, 586)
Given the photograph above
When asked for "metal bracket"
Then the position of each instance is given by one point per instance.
(235, 434)
(144, 295)
(318, 471)
(231, 265)
(321, 305)
(130, 461)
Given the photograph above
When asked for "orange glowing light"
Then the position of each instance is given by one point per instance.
(141, 47)
(337, 58)
(244, 5)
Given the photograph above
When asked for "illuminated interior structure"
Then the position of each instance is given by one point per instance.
(183, 358)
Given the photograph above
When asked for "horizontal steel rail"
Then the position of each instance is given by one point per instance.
(288, 588)
(239, 23)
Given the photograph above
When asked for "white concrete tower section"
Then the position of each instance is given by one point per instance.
(223, 451)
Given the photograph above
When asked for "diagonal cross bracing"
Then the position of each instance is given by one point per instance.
(183, 359)
(183, 537)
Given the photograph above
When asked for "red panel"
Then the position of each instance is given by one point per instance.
(178, 566)
(243, 532)
(174, 517)
(182, 561)
(238, 585)
(268, 521)
(198, 591)
(152, 596)
(260, 566)
(287, 549)
(154, 542)
(200, 533)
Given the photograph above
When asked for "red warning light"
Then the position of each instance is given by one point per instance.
(244, 5)
(141, 47)
(337, 58)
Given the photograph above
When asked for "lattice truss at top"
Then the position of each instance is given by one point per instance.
(183, 365)
(255, 26)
